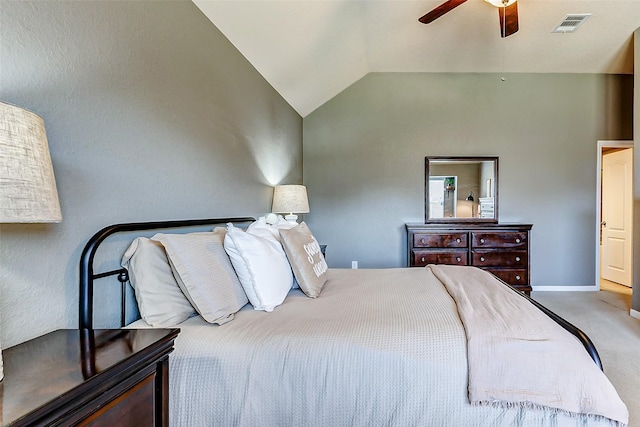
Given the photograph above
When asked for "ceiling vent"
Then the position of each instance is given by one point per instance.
(571, 22)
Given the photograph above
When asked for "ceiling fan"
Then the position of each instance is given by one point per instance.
(507, 11)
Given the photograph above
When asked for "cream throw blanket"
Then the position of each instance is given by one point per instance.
(518, 356)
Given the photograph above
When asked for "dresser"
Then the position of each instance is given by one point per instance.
(88, 378)
(502, 249)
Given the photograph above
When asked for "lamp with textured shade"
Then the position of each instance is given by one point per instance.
(291, 199)
(28, 190)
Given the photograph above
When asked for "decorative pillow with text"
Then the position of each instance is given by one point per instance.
(306, 259)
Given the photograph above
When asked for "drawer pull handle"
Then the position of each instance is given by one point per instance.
(422, 241)
(481, 240)
(458, 259)
(517, 259)
(481, 259)
(458, 240)
(518, 278)
(517, 240)
(422, 260)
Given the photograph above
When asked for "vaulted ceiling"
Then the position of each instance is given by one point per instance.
(311, 50)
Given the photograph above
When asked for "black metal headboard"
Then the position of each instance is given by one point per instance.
(87, 275)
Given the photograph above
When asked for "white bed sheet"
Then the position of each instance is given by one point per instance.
(378, 348)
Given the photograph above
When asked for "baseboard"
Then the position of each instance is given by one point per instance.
(591, 288)
(634, 313)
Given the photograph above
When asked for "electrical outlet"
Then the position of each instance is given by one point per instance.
(354, 264)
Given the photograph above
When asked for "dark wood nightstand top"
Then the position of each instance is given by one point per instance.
(69, 365)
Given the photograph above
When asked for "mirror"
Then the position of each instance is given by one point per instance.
(461, 189)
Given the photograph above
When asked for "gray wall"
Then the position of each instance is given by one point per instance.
(150, 114)
(364, 160)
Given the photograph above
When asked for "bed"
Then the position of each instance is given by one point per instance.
(440, 345)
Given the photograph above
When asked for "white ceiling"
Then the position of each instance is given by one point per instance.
(311, 50)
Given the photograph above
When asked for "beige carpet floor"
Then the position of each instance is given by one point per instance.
(604, 317)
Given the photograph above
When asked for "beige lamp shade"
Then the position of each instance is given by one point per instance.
(28, 190)
(290, 199)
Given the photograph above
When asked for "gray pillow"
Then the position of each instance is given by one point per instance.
(205, 274)
(306, 259)
(160, 301)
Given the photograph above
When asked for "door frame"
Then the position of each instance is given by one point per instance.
(602, 145)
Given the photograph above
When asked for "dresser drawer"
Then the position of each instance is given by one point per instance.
(424, 257)
(491, 258)
(509, 239)
(512, 276)
(134, 407)
(440, 240)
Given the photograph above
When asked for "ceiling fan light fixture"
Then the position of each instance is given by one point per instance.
(507, 12)
(501, 3)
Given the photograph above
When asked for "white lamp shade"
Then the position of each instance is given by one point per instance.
(290, 199)
(28, 190)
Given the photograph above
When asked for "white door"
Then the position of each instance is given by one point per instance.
(436, 197)
(617, 212)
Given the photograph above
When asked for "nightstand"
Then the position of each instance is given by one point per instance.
(85, 377)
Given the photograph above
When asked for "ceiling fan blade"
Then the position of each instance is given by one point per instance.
(440, 10)
(508, 19)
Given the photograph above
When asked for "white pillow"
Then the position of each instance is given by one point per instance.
(272, 231)
(205, 274)
(261, 266)
(160, 301)
(264, 229)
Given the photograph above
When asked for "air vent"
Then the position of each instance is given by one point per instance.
(571, 22)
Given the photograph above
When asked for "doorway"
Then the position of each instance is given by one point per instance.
(443, 196)
(614, 259)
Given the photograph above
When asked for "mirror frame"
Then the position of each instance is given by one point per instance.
(493, 159)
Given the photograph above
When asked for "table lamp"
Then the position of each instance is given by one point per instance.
(28, 192)
(290, 199)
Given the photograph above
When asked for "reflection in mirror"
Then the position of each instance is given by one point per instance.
(463, 189)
